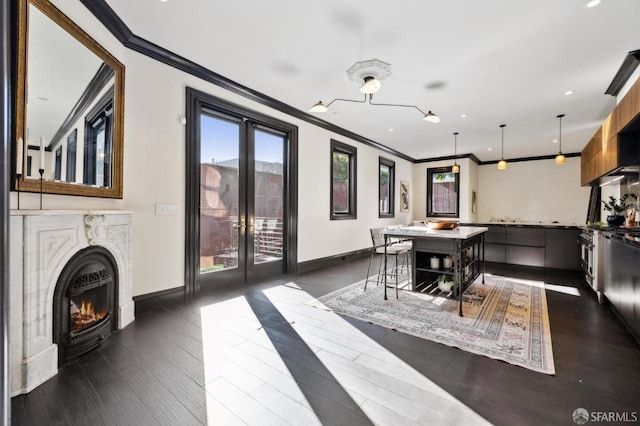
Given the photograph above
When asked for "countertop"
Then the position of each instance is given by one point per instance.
(460, 233)
(527, 224)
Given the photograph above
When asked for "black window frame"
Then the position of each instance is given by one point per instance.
(100, 118)
(391, 184)
(430, 173)
(57, 170)
(352, 153)
(72, 143)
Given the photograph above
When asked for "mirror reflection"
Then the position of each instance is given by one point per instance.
(71, 122)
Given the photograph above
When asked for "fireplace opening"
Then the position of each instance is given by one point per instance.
(84, 303)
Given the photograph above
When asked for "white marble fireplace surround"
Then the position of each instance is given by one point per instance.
(41, 244)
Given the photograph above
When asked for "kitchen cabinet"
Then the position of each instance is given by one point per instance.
(621, 284)
(591, 160)
(525, 246)
(533, 245)
(494, 244)
(561, 249)
(604, 153)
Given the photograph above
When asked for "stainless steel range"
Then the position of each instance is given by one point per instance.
(590, 261)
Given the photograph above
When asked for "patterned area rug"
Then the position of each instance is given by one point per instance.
(503, 319)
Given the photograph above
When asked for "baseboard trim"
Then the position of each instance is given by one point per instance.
(324, 262)
(146, 302)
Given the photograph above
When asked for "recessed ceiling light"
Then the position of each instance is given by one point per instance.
(489, 149)
(593, 3)
(555, 141)
(568, 92)
(391, 130)
(463, 115)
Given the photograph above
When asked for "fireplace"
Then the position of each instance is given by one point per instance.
(84, 303)
(70, 287)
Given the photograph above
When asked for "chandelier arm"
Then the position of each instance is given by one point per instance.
(348, 100)
(397, 105)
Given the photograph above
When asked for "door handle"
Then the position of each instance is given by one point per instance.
(243, 224)
(251, 224)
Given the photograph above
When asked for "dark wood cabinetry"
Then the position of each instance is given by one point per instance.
(604, 153)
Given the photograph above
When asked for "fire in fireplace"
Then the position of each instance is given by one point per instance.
(84, 303)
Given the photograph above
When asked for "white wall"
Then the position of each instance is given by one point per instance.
(468, 183)
(533, 191)
(154, 161)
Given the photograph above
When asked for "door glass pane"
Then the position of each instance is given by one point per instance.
(269, 203)
(219, 175)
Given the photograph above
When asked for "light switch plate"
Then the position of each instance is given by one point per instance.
(167, 209)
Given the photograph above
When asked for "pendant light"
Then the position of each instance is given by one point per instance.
(455, 168)
(560, 158)
(502, 164)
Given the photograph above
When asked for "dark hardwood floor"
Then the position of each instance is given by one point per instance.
(168, 367)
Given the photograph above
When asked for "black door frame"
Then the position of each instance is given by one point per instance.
(196, 101)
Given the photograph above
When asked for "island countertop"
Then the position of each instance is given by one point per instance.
(460, 233)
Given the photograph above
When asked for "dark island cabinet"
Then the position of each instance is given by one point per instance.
(549, 247)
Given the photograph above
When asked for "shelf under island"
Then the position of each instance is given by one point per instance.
(464, 244)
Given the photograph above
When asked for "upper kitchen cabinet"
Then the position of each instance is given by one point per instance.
(591, 160)
(615, 144)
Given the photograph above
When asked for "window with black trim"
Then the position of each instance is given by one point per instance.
(443, 192)
(72, 143)
(343, 181)
(386, 184)
(99, 146)
(57, 173)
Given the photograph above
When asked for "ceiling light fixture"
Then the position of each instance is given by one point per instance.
(593, 3)
(502, 164)
(560, 158)
(455, 168)
(568, 93)
(371, 73)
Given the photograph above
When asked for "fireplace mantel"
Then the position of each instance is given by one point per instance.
(41, 244)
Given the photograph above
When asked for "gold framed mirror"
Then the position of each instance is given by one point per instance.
(69, 108)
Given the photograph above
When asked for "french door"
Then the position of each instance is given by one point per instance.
(243, 209)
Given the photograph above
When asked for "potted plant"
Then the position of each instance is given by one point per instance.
(615, 207)
(445, 283)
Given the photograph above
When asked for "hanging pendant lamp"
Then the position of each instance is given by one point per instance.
(560, 158)
(455, 168)
(502, 164)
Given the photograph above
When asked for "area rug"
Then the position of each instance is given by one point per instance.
(503, 319)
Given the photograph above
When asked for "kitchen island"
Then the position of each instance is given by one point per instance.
(465, 245)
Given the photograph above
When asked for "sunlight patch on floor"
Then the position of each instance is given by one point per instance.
(388, 390)
(245, 379)
(570, 290)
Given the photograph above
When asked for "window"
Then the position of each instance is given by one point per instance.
(72, 142)
(386, 183)
(443, 192)
(57, 174)
(343, 181)
(99, 146)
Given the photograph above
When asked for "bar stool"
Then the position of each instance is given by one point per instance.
(399, 254)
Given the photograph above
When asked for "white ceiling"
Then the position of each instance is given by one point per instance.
(499, 61)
